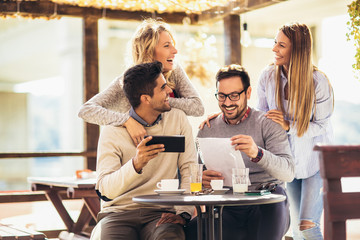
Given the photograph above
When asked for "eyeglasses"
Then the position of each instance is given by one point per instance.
(234, 96)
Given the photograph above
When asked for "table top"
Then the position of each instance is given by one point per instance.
(63, 181)
(228, 199)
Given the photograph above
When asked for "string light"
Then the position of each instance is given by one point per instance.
(153, 6)
(189, 6)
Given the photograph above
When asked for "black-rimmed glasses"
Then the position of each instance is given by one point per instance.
(234, 96)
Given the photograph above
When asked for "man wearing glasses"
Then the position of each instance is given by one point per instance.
(265, 150)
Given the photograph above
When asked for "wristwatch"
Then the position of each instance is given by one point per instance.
(259, 156)
(186, 216)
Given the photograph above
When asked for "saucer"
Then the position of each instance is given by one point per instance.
(172, 192)
(221, 191)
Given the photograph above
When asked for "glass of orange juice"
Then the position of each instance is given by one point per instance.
(196, 170)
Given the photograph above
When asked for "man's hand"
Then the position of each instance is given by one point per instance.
(135, 130)
(278, 117)
(208, 175)
(145, 153)
(245, 144)
(171, 218)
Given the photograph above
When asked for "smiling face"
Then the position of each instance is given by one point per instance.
(165, 51)
(233, 110)
(282, 50)
(160, 99)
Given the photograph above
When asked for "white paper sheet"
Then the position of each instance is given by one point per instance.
(218, 154)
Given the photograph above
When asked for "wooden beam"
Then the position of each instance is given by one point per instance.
(28, 196)
(47, 154)
(91, 82)
(232, 46)
(48, 9)
(234, 8)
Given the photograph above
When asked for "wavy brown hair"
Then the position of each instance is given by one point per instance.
(301, 89)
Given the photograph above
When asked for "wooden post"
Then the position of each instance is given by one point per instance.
(232, 47)
(91, 82)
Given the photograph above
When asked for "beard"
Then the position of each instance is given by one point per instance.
(162, 108)
(236, 114)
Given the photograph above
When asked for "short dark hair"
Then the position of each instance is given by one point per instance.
(141, 79)
(233, 70)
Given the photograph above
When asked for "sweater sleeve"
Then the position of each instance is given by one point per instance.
(109, 107)
(185, 159)
(277, 159)
(189, 99)
(115, 175)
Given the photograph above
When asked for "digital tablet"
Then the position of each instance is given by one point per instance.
(175, 143)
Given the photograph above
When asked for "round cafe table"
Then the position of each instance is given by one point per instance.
(210, 202)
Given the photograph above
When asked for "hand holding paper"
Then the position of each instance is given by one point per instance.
(218, 154)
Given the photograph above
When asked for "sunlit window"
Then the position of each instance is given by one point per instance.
(336, 61)
(40, 94)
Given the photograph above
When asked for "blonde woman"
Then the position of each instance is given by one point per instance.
(296, 95)
(151, 41)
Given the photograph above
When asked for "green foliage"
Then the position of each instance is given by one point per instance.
(354, 28)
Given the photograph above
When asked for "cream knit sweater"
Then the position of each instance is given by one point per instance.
(116, 176)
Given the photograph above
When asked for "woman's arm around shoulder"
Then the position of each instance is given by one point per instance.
(189, 99)
(108, 107)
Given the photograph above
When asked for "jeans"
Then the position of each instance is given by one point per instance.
(306, 203)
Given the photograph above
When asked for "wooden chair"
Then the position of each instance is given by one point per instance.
(337, 162)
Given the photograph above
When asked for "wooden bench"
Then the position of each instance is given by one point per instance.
(10, 232)
(337, 162)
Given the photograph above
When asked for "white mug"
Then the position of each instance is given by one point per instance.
(168, 184)
(217, 184)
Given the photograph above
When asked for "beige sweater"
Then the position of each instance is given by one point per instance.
(116, 176)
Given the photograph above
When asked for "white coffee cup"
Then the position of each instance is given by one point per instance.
(168, 184)
(217, 184)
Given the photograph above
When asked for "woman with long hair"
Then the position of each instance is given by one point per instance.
(151, 41)
(296, 95)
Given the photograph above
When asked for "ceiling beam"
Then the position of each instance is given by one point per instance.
(48, 9)
(234, 7)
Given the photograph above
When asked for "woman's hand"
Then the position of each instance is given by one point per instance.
(207, 121)
(135, 130)
(278, 117)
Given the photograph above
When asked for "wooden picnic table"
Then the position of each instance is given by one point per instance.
(75, 188)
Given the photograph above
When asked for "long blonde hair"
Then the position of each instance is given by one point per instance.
(301, 89)
(145, 40)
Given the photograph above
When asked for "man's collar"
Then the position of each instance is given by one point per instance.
(241, 120)
(134, 115)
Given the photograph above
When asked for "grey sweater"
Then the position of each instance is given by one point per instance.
(276, 163)
(110, 107)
